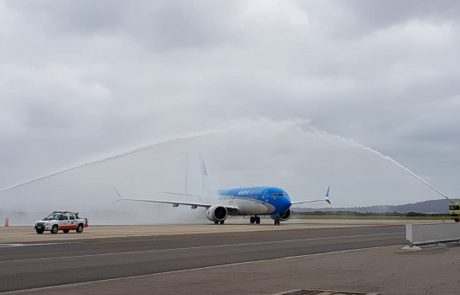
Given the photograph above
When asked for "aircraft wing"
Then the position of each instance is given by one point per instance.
(174, 203)
(311, 201)
(326, 199)
(230, 208)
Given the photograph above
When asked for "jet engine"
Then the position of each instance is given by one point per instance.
(286, 215)
(216, 213)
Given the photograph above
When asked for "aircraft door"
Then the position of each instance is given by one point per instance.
(266, 197)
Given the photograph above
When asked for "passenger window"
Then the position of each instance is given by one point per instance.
(72, 217)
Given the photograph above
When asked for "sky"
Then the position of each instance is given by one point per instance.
(80, 80)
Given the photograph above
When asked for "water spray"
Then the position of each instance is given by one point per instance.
(109, 158)
(388, 158)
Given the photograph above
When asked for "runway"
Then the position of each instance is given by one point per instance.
(78, 261)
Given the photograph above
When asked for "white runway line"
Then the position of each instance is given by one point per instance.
(26, 245)
(198, 247)
(184, 270)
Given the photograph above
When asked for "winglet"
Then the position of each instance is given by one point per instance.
(120, 198)
(326, 197)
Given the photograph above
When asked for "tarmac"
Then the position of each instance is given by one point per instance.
(381, 270)
(331, 256)
(26, 234)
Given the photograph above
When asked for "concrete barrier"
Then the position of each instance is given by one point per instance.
(423, 234)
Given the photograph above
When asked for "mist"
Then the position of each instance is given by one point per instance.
(292, 155)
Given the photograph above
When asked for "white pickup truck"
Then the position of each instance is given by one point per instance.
(61, 220)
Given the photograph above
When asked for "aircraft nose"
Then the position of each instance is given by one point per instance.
(288, 202)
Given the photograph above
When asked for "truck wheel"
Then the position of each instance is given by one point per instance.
(80, 228)
(66, 231)
(54, 229)
(39, 230)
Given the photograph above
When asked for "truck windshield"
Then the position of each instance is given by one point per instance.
(53, 216)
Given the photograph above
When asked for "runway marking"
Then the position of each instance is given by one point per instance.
(197, 247)
(26, 245)
(186, 270)
(11, 245)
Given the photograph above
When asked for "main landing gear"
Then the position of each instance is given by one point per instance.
(254, 219)
(277, 221)
(219, 222)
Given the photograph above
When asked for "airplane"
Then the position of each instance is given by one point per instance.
(251, 201)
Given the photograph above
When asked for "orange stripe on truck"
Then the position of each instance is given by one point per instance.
(62, 227)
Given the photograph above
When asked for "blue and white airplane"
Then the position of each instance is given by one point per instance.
(251, 201)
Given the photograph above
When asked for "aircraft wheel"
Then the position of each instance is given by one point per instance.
(257, 219)
(252, 220)
(216, 222)
(222, 222)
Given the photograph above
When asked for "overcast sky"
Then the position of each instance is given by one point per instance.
(81, 79)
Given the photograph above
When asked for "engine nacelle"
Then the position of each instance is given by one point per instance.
(216, 213)
(286, 215)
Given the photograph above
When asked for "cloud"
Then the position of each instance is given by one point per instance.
(79, 79)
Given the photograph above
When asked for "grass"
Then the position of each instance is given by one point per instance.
(371, 217)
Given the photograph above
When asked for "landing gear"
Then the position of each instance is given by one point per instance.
(254, 219)
(219, 222)
(277, 221)
(222, 222)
